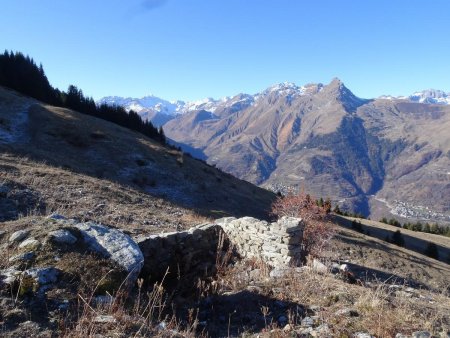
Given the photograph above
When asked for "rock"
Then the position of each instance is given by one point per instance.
(318, 266)
(62, 236)
(362, 335)
(344, 267)
(27, 256)
(307, 322)
(43, 276)
(15, 315)
(335, 268)
(287, 328)
(10, 275)
(100, 319)
(421, 334)
(2, 233)
(400, 335)
(347, 312)
(401, 293)
(30, 243)
(285, 271)
(315, 308)
(279, 272)
(19, 235)
(321, 331)
(114, 244)
(56, 217)
(104, 300)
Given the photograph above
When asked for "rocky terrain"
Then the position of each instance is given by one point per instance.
(104, 232)
(377, 156)
(71, 277)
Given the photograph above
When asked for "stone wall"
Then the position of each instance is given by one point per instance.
(277, 243)
(194, 252)
(191, 252)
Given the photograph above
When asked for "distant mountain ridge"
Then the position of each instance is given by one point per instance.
(373, 156)
(431, 96)
(159, 111)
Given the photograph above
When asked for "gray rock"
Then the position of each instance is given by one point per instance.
(104, 300)
(400, 335)
(62, 236)
(43, 276)
(104, 319)
(19, 235)
(307, 322)
(318, 266)
(291, 224)
(362, 335)
(27, 256)
(10, 275)
(344, 267)
(114, 244)
(321, 331)
(31, 243)
(347, 312)
(57, 217)
(421, 334)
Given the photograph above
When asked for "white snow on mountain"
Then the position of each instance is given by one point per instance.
(432, 96)
(160, 111)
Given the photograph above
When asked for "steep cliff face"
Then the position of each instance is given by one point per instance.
(331, 143)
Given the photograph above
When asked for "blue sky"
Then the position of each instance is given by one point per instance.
(190, 49)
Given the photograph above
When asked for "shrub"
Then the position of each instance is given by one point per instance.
(318, 229)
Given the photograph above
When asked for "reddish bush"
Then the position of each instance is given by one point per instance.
(318, 228)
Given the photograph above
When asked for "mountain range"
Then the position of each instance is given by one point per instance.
(160, 111)
(389, 155)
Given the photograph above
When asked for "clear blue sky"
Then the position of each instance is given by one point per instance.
(190, 49)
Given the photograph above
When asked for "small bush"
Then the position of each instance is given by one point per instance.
(318, 229)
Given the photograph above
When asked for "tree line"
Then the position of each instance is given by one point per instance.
(434, 228)
(21, 73)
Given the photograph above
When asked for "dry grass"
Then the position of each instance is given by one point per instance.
(146, 315)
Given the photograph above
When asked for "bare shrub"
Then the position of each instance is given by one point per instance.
(318, 228)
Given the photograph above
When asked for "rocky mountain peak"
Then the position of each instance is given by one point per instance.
(336, 89)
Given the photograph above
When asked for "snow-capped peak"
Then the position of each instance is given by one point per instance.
(433, 96)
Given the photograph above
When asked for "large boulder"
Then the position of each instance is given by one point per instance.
(115, 245)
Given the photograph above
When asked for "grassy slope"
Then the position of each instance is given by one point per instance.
(75, 162)
(414, 241)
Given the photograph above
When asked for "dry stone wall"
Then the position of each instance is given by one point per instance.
(180, 253)
(277, 243)
(194, 251)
